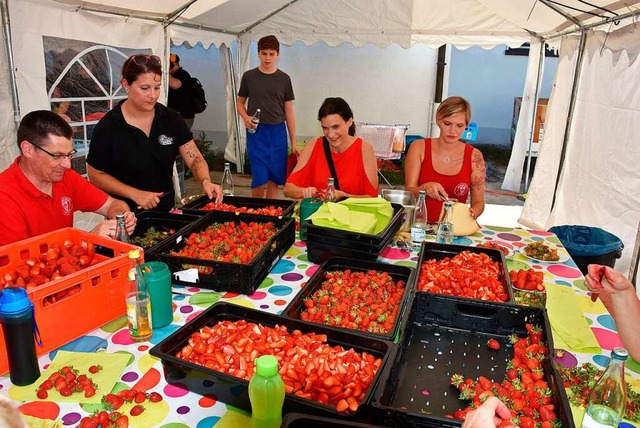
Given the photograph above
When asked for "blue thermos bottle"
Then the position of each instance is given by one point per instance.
(20, 330)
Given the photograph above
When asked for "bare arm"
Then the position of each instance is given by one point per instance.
(370, 163)
(110, 184)
(619, 296)
(290, 118)
(242, 111)
(174, 83)
(109, 210)
(292, 190)
(198, 166)
(478, 175)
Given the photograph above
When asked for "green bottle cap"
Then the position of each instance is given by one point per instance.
(619, 353)
(267, 366)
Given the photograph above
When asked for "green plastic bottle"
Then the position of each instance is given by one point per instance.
(266, 392)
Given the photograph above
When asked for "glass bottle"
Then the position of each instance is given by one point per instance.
(121, 230)
(138, 301)
(445, 226)
(255, 119)
(419, 225)
(266, 393)
(330, 193)
(227, 181)
(608, 398)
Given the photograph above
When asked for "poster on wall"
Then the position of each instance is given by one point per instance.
(83, 84)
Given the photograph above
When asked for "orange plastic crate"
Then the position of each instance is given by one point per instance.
(102, 289)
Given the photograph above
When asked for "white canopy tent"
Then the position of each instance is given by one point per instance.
(154, 24)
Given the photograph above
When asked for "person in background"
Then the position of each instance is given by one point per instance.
(490, 414)
(135, 144)
(445, 167)
(619, 297)
(269, 89)
(354, 159)
(179, 97)
(39, 192)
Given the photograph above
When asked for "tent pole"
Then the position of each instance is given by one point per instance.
(535, 112)
(234, 101)
(6, 29)
(572, 104)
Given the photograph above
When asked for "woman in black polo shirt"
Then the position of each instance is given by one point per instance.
(134, 145)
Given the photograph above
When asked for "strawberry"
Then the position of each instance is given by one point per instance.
(493, 344)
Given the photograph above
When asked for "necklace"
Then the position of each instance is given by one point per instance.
(447, 160)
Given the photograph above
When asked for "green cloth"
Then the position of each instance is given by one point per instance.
(362, 215)
(570, 328)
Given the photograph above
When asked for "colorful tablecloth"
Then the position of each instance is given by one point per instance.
(186, 409)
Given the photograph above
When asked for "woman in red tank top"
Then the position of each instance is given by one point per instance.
(445, 167)
(353, 159)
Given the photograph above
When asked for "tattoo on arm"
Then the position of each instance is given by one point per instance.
(478, 170)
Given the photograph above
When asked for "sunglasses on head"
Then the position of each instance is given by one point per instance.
(142, 59)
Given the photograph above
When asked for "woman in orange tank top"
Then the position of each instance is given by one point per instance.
(353, 158)
(445, 167)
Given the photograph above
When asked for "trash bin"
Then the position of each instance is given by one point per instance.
(587, 245)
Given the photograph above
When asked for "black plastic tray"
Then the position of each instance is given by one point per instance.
(195, 207)
(163, 222)
(442, 336)
(234, 391)
(236, 277)
(398, 273)
(432, 250)
(300, 420)
(325, 242)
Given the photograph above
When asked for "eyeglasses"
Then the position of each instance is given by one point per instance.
(142, 59)
(58, 158)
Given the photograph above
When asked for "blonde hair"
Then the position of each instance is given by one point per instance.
(453, 105)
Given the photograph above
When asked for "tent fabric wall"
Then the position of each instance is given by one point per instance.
(191, 36)
(600, 178)
(8, 147)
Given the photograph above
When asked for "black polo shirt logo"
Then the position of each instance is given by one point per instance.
(165, 140)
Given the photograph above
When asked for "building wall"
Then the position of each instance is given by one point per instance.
(490, 80)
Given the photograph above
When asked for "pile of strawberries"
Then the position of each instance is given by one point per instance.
(111, 417)
(68, 381)
(524, 390)
(270, 210)
(56, 262)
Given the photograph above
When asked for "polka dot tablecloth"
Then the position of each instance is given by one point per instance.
(186, 409)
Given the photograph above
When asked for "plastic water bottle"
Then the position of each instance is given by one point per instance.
(227, 181)
(255, 119)
(121, 230)
(18, 326)
(608, 398)
(266, 392)
(138, 301)
(419, 225)
(330, 193)
(445, 227)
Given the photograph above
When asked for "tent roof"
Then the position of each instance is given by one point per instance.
(405, 22)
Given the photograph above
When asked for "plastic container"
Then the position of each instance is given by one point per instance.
(326, 242)
(287, 206)
(224, 276)
(587, 245)
(158, 279)
(299, 420)
(442, 336)
(162, 222)
(307, 207)
(234, 391)
(398, 273)
(94, 296)
(19, 329)
(266, 393)
(432, 250)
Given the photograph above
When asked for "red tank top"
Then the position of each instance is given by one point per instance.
(457, 186)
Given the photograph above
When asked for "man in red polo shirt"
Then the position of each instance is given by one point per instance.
(39, 192)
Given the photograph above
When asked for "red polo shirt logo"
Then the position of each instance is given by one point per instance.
(67, 205)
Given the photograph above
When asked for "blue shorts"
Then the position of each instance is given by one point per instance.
(268, 149)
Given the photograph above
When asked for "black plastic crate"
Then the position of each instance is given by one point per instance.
(300, 420)
(325, 242)
(398, 273)
(442, 336)
(432, 250)
(236, 277)
(195, 207)
(234, 391)
(162, 222)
